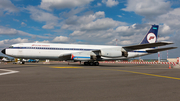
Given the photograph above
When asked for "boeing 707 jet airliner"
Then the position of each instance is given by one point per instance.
(90, 54)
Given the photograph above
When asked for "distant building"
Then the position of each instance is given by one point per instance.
(172, 59)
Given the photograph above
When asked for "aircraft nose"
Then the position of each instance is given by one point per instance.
(4, 51)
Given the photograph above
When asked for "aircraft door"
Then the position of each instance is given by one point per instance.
(20, 50)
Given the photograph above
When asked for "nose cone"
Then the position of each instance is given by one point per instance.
(4, 51)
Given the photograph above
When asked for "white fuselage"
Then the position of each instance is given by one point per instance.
(54, 51)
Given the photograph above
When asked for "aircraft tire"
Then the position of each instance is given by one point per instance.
(86, 63)
(96, 63)
(91, 63)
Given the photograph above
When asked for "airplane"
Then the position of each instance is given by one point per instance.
(89, 54)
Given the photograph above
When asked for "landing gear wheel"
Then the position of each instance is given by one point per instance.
(91, 63)
(86, 63)
(96, 63)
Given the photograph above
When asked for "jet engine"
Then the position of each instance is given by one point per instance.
(113, 53)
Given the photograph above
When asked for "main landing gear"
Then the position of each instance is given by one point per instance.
(91, 63)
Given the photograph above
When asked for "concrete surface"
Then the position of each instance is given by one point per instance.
(74, 82)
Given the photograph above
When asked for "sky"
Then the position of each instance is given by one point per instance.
(98, 22)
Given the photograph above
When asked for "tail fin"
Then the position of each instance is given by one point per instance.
(151, 36)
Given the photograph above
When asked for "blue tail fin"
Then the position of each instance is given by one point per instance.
(151, 36)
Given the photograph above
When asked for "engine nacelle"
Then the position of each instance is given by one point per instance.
(81, 56)
(125, 54)
(111, 53)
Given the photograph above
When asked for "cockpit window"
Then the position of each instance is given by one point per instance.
(11, 47)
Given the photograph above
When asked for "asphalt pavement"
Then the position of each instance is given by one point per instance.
(75, 82)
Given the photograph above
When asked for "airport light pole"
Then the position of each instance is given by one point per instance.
(159, 60)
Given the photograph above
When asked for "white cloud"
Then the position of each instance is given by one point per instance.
(8, 42)
(163, 38)
(99, 4)
(92, 22)
(110, 3)
(77, 33)
(42, 16)
(15, 20)
(7, 6)
(61, 4)
(131, 30)
(7, 31)
(118, 42)
(148, 8)
(62, 39)
(171, 19)
(101, 24)
(49, 26)
(45, 41)
(74, 22)
(23, 24)
(12, 31)
(72, 12)
(119, 16)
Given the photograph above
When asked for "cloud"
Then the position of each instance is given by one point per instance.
(99, 4)
(92, 22)
(148, 8)
(92, 27)
(8, 42)
(7, 31)
(12, 31)
(42, 16)
(74, 22)
(131, 30)
(61, 4)
(8, 7)
(171, 19)
(61, 39)
(45, 41)
(110, 3)
(163, 38)
(23, 24)
(78, 33)
(15, 20)
(101, 24)
(49, 25)
(119, 16)
(72, 12)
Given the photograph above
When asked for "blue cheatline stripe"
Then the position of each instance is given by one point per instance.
(81, 57)
(48, 48)
(140, 51)
(45, 48)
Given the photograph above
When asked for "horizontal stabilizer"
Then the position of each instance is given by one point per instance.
(143, 46)
(160, 49)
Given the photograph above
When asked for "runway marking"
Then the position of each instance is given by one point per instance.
(66, 67)
(7, 72)
(175, 78)
(140, 73)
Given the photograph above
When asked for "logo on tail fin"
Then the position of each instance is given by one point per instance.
(151, 38)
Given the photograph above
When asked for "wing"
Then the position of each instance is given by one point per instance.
(143, 46)
(160, 49)
(66, 56)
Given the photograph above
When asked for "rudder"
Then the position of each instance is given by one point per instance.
(151, 36)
